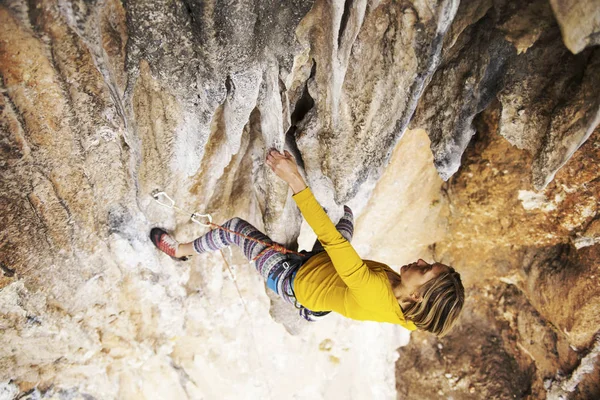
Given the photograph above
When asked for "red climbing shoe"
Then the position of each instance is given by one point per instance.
(165, 243)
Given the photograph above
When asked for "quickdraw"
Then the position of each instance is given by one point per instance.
(156, 194)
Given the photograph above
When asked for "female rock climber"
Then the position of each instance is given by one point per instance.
(333, 277)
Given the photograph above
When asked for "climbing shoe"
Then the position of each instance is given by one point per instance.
(165, 243)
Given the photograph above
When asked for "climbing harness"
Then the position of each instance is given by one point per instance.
(195, 217)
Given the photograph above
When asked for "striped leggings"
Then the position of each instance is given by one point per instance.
(273, 266)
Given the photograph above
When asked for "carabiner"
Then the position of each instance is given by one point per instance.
(198, 215)
(156, 194)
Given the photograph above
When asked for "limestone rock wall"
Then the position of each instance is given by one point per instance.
(104, 102)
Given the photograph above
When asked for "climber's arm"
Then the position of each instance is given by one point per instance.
(351, 268)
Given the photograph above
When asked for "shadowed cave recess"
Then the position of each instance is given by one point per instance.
(464, 132)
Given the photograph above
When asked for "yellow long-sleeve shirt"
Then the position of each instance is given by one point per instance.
(338, 279)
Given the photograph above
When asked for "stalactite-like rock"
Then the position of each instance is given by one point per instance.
(534, 89)
(372, 63)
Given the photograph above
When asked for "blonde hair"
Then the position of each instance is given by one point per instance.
(443, 300)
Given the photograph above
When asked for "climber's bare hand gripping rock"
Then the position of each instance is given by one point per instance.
(284, 166)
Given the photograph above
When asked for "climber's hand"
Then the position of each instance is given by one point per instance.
(284, 166)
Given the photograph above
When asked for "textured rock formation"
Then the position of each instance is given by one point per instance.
(532, 314)
(104, 102)
(549, 107)
(579, 22)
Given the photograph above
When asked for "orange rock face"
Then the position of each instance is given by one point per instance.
(533, 296)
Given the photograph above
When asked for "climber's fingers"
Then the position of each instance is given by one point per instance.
(272, 159)
(275, 154)
(276, 159)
